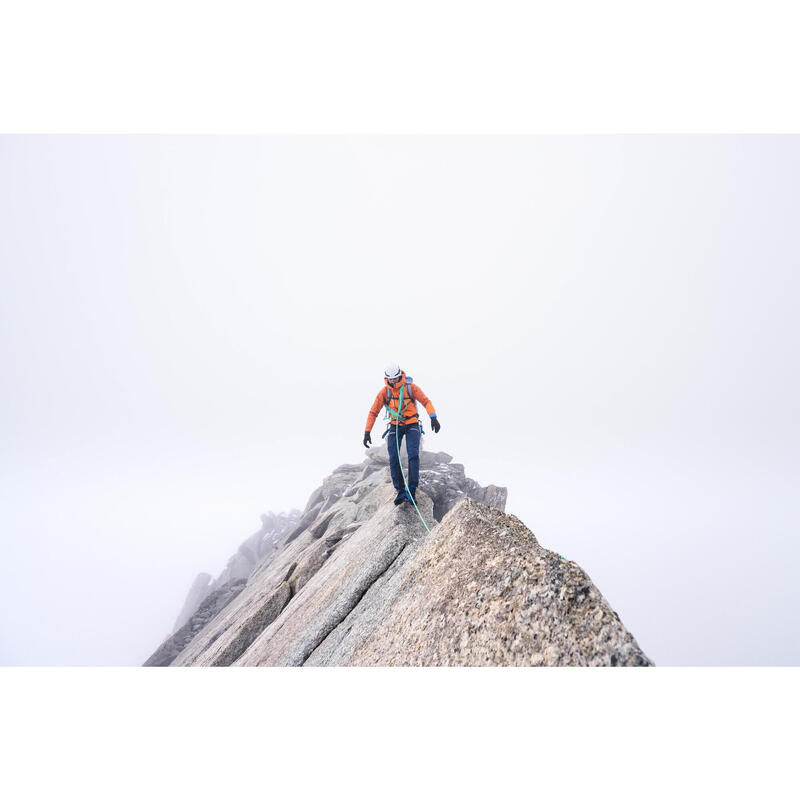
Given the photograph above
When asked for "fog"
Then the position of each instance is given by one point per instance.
(194, 328)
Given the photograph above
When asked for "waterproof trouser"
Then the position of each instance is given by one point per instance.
(412, 436)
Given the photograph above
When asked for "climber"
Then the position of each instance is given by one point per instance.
(395, 378)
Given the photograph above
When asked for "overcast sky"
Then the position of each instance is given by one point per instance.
(194, 328)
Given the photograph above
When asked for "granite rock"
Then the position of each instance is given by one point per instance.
(356, 580)
(208, 609)
(198, 592)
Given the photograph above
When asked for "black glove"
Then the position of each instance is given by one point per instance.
(435, 424)
(367, 438)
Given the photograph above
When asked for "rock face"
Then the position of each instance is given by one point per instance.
(480, 590)
(360, 581)
(199, 590)
(208, 609)
(256, 546)
(240, 564)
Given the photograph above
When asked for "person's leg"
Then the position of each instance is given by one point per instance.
(394, 463)
(412, 448)
(401, 432)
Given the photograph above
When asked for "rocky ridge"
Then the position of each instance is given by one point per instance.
(356, 580)
(239, 565)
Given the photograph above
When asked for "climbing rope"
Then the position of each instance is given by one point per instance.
(398, 415)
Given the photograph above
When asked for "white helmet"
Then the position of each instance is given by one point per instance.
(392, 371)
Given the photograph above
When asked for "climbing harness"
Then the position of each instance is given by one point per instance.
(400, 406)
(409, 388)
(399, 415)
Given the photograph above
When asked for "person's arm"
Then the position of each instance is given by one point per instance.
(420, 395)
(377, 405)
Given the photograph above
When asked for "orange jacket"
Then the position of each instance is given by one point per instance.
(410, 414)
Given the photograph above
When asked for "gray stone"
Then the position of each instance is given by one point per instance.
(241, 564)
(482, 591)
(356, 580)
(208, 609)
(198, 592)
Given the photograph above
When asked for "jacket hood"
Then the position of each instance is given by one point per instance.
(397, 385)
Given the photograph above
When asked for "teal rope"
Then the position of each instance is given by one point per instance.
(397, 442)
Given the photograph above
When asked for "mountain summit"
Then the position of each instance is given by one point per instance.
(356, 580)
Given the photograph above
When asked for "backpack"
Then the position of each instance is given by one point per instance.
(409, 391)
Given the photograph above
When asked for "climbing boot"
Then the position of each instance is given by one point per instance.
(401, 495)
(412, 494)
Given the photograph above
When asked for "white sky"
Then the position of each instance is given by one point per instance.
(193, 329)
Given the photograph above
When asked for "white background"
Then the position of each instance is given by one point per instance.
(197, 327)
(360, 68)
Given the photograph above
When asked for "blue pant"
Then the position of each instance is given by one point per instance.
(412, 435)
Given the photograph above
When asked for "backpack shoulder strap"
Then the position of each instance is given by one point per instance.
(409, 388)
